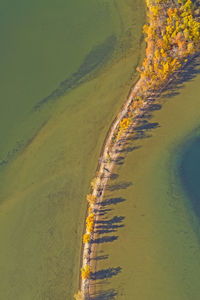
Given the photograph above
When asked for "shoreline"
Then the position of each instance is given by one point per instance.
(113, 143)
(90, 247)
(157, 223)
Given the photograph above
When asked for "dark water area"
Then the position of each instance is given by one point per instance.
(189, 170)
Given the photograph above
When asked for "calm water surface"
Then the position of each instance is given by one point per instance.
(44, 43)
(66, 68)
(155, 202)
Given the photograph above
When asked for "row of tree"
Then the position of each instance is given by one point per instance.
(172, 35)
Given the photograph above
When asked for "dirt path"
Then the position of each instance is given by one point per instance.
(105, 167)
(104, 172)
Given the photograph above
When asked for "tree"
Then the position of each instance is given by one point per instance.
(86, 238)
(91, 199)
(79, 296)
(90, 222)
(85, 272)
(95, 181)
(92, 183)
(190, 47)
(160, 44)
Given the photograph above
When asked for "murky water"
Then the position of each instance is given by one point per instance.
(66, 68)
(151, 210)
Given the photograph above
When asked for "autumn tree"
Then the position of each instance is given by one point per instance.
(86, 238)
(79, 296)
(91, 199)
(85, 272)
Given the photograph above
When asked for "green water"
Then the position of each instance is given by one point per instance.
(44, 43)
(67, 67)
(150, 213)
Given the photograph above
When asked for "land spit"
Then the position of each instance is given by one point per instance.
(105, 167)
(152, 82)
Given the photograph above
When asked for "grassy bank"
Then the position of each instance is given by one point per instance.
(42, 189)
(149, 243)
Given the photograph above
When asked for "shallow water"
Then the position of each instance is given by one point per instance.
(44, 44)
(153, 249)
(63, 82)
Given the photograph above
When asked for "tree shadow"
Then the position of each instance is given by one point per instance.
(119, 160)
(119, 186)
(127, 149)
(105, 226)
(177, 81)
(114, 220)
(108, 226)
(112, 201)
(102, 212)
(113, 176)
(104, 231)
(105, 273)
(188, 73)
(154, 107)
(105, 295)
(104, 239)
(100, 257)
(146, 126)
(142, 130)
(139, 132)
(140, 135)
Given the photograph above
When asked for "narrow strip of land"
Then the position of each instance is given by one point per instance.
(173, 36)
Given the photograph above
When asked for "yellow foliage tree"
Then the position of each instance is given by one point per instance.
(92, 183)
(124, 123)
(91, 199)
(86, 238)
(154, 10)
(90, 222)
(85, 272)
(95, 180)
(90, 218)
(89, 227)
(79, 296)
(190, 47)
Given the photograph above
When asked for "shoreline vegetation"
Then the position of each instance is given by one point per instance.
(173, 39)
